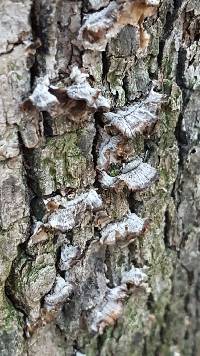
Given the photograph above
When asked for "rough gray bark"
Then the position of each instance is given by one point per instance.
(100, 202)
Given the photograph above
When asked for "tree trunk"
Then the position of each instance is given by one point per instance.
(100, 177)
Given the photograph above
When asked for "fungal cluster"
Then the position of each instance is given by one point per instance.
(65, 217)
(99, 27)
(79, 96)
(74, 104)
(63, 213)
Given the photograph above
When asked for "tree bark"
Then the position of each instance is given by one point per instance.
(99, 215)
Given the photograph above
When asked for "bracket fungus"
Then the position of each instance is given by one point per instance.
(110, 309)
(68, 214)
(41, 98)
(75, 102)
(81, 91)
(46, 97)
(99, 27)
(124, 124)
(124, 231)
(133, 119)
(60, 292)
(63, 215)
(40, 234)
(135, 175)
(96, 4)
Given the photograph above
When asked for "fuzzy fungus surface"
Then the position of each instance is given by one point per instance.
(99, 27)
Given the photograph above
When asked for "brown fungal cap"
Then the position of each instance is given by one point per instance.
(110, 150)
(76, 101)
(101, 26)
(81, 91)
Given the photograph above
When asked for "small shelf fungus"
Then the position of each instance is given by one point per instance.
(40, 234)
(107, 313)
(135, 175)
(124, 231)
(99, 27)
(134, 119)
(60, 292)
(70, 214)
(89, 99)
(41, 98)
(111, 308)
(81, 90)
(75, 102)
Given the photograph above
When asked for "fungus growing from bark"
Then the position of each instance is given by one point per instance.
(41, 98)
(46, 96)
(60, 292)
(102, 219)
(99, 27)
(124, 231)
(71, 213)
(110, 309)
(133, 119)
(96, 4)
(53, 301)
(39, 235)
(81, 91)
(74, 102)
(63, 215)
(135, 175)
